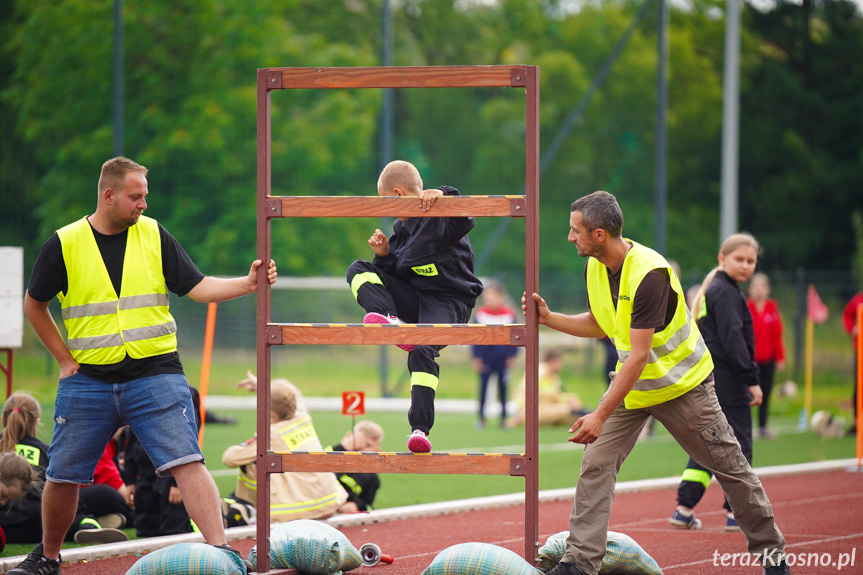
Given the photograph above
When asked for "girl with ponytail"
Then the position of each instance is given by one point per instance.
(725, 322)
(21, 416)
(23, 460)
(749, 250)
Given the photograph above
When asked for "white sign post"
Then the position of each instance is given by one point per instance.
(11, 307)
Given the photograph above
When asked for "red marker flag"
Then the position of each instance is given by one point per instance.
(815, 308)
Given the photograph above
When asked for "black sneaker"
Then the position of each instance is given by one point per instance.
(781, 569)
(228, 549)
(37, 564)
(566, 569)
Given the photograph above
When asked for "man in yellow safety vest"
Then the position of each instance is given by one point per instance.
(119, 365)
(664, 370)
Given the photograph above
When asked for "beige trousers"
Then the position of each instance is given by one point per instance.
(696, 421)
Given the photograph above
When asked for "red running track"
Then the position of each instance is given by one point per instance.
(821, 515)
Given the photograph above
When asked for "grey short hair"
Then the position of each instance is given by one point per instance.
(600, 210)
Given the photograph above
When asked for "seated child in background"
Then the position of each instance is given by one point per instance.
(17, 479)
(107, 497)
(158, 505)
(292, 495)
(22, 415)
(361, 487)
(251, 384)
(556, 407)
(423, 273)
(22, 520)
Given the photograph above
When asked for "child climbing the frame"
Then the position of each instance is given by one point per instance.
(422, 273)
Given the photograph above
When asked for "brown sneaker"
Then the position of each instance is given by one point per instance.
(99, 536)
(112, 521)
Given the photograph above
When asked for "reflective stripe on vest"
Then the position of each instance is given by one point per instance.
(351, 483)
(678, 360)
(103, 328)
(293, 508)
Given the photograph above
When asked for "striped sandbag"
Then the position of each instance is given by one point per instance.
(623, 555)
(479, 559)
(189, 559)
(311, 547)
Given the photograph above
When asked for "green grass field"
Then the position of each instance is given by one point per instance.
(658, 456)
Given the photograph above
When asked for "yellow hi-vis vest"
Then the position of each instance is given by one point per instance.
(102, 328)
(679, 359)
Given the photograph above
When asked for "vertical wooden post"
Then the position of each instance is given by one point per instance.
(7, 370)
(531, 256)
(265, 79)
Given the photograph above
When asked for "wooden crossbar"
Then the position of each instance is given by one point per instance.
(393, 207)
(398, 77)
(410, 334)
(421, 463)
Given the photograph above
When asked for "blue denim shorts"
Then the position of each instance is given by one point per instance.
(87, 412)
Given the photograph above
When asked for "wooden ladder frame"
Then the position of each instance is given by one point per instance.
(268, 334)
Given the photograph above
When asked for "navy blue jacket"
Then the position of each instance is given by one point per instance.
(494, 354)
(434, 254)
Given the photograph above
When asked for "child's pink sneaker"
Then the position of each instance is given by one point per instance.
(418, 442)
(379, 318)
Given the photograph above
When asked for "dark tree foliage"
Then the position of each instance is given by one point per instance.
(190, 117)
(801, 153)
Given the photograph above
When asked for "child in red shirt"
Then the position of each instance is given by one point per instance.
(769, 349)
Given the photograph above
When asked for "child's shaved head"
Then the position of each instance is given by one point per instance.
(400, 174)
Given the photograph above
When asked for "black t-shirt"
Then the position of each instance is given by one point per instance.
(654, 303)
(50, 278)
